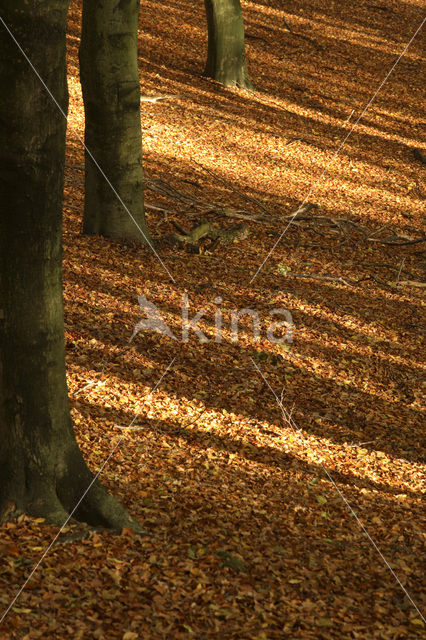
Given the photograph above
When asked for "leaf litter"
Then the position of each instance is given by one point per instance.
(245, 535)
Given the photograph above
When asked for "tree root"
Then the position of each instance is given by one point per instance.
(62, 493)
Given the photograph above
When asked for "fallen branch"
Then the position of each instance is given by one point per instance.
(166, 189)
(204, 229)
(199, 208)
(308, 206)
(226, 212)
(225, 182)
(152, 207)
(385, 226)
(411, 283)
(394, 241)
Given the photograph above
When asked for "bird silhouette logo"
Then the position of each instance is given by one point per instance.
(153, 321)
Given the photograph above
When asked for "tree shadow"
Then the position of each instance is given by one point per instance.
(261, 454)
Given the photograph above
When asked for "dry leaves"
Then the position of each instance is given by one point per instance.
(246, 535)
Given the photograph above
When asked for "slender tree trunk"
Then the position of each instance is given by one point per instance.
(111, 93)
(226, 58)
(42, 471)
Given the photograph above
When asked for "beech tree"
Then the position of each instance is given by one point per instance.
(226, 57)
(111, 94)
(42, 471)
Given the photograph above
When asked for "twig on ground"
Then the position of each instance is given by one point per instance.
(152, 207)
(91, 383)
(400, 269)
(411, 283)
(394, 241)
(349, 116)
(361, 444)
(385, 226)
(288, 27)
(342, 226)
(226, 183)
(158, 98)
(308, 206)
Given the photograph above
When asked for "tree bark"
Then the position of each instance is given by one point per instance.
(226, 58)
(42, 471)
(111, 94)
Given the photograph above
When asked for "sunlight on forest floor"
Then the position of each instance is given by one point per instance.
(248, 535)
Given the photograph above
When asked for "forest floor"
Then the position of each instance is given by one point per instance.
(294, 515)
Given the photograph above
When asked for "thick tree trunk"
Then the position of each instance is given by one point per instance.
(226, 58)
(42, 471)
(111, 93)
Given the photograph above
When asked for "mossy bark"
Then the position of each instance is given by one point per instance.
(114, 204)
(226, 58)
(42, 471)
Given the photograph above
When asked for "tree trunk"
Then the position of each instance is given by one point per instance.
(42, 471)
(111, 93)
(226, 58)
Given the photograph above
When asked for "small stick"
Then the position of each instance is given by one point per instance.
(377, 231)
(400, 269)
(244, 195)
(399, 244)
(157, 98)
(152, 207)
(288, 26)
(360, 444)
(349, 116)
